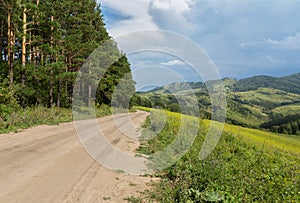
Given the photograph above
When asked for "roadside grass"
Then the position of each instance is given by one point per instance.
(25, 118)
(33, 116)
(142, 108)
(246, 166)
(177, 132)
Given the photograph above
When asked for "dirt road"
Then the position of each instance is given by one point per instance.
(49, 164)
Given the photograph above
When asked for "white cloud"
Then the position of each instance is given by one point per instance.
(275, 61)
(249, 35)
(137, 9)
(252, 44)
(178, 6)
(173, 63)
(149, 14)
(290, 42)
(171, 14)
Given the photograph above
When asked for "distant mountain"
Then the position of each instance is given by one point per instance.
(253, 102)
(148, 88)
(178, 87)
(290, 83)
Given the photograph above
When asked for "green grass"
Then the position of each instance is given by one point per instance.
(25, 118)
(246, 166)
(287, 110)
(268, 97)
(142, 108)
(133, 199)
(106, 198)
(33, 116)
(119, 171)
(253, 119)
(288, 143)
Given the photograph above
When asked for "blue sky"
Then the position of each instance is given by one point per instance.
(243, 38)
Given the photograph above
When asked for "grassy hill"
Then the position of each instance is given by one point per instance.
(247, 165)
(268, 98)
(251, 102)
(287, 109)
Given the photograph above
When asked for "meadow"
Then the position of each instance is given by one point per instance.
(246, 165)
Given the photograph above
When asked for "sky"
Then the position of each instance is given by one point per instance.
(242, 38)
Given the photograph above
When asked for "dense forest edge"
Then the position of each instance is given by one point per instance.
(44, 44)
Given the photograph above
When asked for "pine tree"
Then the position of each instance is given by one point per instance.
(117, 84)
(44, 44)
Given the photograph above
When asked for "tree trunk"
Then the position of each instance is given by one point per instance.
(31, 48)
(89, 96)
(90, 88)
(51, 71)
(13, 40)
(23, 72)
(82, 88)
(59, 82)
(9, 49)
(1, 40)
(35, 54)
(51, 91)
(58, 93)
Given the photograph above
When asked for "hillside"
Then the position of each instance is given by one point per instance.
(247, 165)
(289, 83)
(252, 102)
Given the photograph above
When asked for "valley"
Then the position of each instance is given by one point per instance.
(257, 102)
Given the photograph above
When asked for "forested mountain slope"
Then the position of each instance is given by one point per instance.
(258, 102)
(289, 84)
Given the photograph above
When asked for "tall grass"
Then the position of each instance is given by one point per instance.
(39, 115)
(246, 166)
(24, 118)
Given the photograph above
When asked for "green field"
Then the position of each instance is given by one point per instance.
(288, 109)
(246, 166)
(268, 97)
